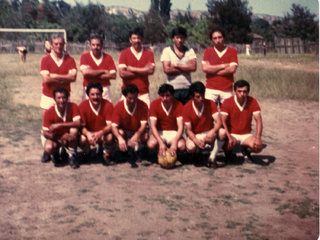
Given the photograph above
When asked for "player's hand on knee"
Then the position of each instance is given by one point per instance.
(122, 145)
(257, 145)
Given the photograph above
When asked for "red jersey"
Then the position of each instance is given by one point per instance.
(52, 115)
(166, 120)
(202, 121)
(104, 63)
(240, 117)
(49, 65)
(95, 120)
(128, 58)
(127, 120)
(222, 83)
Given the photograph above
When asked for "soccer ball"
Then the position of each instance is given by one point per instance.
(168, 160)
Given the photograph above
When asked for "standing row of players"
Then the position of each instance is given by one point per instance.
(135, 64)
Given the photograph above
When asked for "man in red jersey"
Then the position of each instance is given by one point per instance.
(96, 114)
(60, 128)
(57, 69)
(129, 122)
(97, 66)
(219, 63)
(166, 123)
(203, 124)
(236, 114)
(136, 64)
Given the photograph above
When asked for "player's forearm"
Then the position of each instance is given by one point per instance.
(116, 132)
(74, 124)
(224, 124)
(191, 66)
(90, 73)
(228, 70)
(124, 73)
(147, 70)
(213, 69)
(259, 128)
(64, 78)
(107, 129)
(108, 76)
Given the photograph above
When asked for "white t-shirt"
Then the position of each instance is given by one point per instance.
(182, 80)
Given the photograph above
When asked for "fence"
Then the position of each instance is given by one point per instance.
(278, 45)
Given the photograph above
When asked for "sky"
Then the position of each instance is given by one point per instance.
(270, 7)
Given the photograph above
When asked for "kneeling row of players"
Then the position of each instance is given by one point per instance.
(124, 127)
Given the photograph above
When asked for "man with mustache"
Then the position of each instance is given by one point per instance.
(97, 66)
(136, 64)
(96, 114)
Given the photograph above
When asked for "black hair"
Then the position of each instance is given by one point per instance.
(241, 83)
(60, 90)
(96, 36)
(137, 31)
(197, 87)
(130, 88)
(166, 88)
(217, 29)
(94, 85)
(179, 31)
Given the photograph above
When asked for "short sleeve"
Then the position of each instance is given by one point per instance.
(165, 56)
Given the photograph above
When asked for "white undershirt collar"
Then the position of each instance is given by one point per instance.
(238, 105)
(97, 61)
(96, 112)
(127, 109)
(165, 110)
(137, 55)
(64, 117)
(196, 109)
(220, 54)
(58, 61)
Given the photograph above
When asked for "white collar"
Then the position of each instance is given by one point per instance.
(137, 55)
(238, 105)
(97, 61)
(57, 60)
(220, 54)
(96, 112)
(127, 109)
(64, 117)
(196, 109)
(165, 110)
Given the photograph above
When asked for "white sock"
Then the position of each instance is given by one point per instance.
(218, 144)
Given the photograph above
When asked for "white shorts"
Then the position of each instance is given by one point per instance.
(217, 95)
(241, 137)
(144, 97)
(167, 135)
(105, 94)
(47, 102)
(201, 136)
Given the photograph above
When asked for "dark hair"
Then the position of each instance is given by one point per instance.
(60, 90)
(55, 36)
(96, 36)
(94, 85)
(217, 29)
(130, 88)
(166, 88)
(241, 83)
(137, 31)
(197, 87)
(179, 31)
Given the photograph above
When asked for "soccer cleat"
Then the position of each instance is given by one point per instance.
(106, 157)
(230, 157)
(73, 161)
(45, 157)
(212, 163)
(247, 155)
(56, 160)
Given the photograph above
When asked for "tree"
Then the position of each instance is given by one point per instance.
(263, 28)
(234, 16)
(186, 18)
(154, 28)
(164, 10)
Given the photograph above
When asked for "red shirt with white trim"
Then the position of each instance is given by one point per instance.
(200, 121)
(104, 63)
(124, 119)
(49, 65)
(240, 117)
(128, 58)
(166, 120)
(229, 55)
(95, 120)
(52, 115)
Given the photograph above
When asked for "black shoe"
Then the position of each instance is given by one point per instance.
(64, 155)
(230, 157)
(56, 160)
(106, 158)
(45, 157)
(73, 161)
(247, 155)
(99, 150)
(212, 163)
(133, 158)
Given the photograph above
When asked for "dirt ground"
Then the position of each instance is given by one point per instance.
(278, 198)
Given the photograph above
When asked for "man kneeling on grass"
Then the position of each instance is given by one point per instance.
(203, 124)
(96, 114)
(236, 114)
(60, 128)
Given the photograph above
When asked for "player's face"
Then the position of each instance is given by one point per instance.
(61, 100)
(166, 98)
(96, 47)
(241, 94)
(136, 42)
(198, 99)
(179, 41)
(217, 40)
(95, 96)
(131, 99)
(57, 45)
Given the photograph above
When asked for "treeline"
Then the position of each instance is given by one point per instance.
(82, 20)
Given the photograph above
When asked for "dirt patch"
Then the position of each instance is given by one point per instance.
(276, 199)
